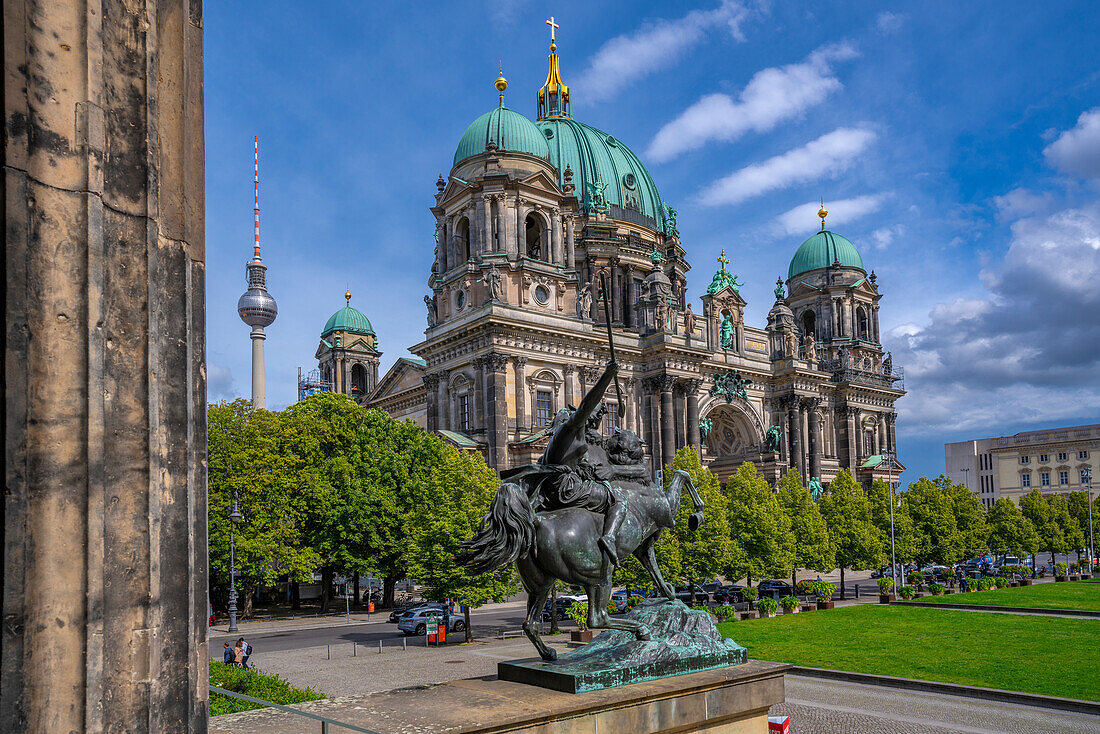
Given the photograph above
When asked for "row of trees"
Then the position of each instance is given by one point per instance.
(327, 485)
(753, 531)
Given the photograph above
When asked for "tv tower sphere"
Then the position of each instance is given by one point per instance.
(256, 306)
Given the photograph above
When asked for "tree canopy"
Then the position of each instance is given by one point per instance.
(847, 514)
(759, 526)
(933, 513)
(812, 547)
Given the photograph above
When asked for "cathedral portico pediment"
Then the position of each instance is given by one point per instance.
(540, 181)
(455, 189)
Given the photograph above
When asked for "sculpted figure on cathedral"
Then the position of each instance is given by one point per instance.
(811, 348)
(689, 321)
(494, 281)
(429, 302)
(725, 332)
(772, 439)
(888, 364)
(816, 490)
(704, 429)
(791, 343)
(584, 301)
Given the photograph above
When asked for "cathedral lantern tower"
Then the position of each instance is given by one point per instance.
(348, 354)
(256, 307)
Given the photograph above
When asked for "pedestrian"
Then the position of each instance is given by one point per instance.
(246, 651)
(963, 586)
(227, 654)
(238, 653)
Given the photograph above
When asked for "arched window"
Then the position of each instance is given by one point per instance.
(861, 323)
(358, 380)
(868, 442)
(533, 233)
(462, 229)
(809, 322)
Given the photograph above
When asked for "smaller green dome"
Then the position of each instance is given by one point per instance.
(349, 320)
(511, 131)
(821, 251)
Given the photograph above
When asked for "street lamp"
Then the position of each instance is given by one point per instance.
(888, 459)
(1092, 546)
(235, 517)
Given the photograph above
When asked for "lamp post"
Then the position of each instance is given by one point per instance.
(888, 459)
(234, 517)
(1092, 545)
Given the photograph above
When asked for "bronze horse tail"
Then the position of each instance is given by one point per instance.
(506, 533)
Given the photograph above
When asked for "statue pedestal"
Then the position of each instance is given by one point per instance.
(732, 700)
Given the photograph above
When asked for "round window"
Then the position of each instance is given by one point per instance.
(542, 294)
(612, 141)
(460, 300)
(548, 132)
(629, 181)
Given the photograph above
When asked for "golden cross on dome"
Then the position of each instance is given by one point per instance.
(553, 27)
(723, 260)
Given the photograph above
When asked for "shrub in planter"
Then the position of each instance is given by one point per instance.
(1096, 568)
(1060, 569)
(633, 601)
(823, 590)
(985, 583)
(936, 589)
(885, 585)
(725, 613)
(906, 592)
(916, 578)
(805, 587)
(701, 608)
(790, 604)
(252, 682)
(578, 612)
(1000, 582)
(767, 606)
(949, 574)
(1073, 568)
(751, 595)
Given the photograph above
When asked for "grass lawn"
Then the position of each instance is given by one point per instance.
(1047, 655)
(1068, 595)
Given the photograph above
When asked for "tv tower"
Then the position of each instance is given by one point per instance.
(256, 307)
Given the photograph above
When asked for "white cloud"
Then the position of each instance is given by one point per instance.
(829, 155)
(219, 383)
(771, 96)
(884, 236)
(625, 59)
(1024, 353)
(1077, 151)
(1021, 202)
(888, 22)
(803, 217)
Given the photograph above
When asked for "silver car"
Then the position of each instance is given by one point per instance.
(416, 623)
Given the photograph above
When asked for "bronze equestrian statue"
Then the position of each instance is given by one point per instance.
(587, 503)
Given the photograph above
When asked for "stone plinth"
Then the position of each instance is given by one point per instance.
(732, 700)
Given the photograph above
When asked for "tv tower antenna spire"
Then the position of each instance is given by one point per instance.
(256, 307)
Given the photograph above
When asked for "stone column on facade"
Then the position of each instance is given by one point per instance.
(478, 409)
(496, 398)
(485, 203)
(570, 245)
(679, 410)
(692, 387)
(508, 225)
(443, 402)
(616, 295)
(811, 406)
(794, 429)
(568, 371)
(105, 519)
(850, 414)
(521, 230)
(668, 430)
(520, 364)
(431, 393)
(891, 436)
(556, 233)
(651, 389)
(883, 443)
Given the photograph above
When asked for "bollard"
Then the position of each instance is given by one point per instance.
(404, 643)
(329, 651)
(857, 591)
(355, 649)
(380, 647)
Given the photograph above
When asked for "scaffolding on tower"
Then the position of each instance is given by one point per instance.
(310, 383)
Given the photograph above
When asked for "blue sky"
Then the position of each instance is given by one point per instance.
(956, 144)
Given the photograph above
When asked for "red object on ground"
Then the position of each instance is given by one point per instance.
(779, 725)
(370, 607)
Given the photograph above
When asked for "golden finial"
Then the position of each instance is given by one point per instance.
(347, 296)
(553, 26)
(822, 212)
(723, 261)
(501, 85)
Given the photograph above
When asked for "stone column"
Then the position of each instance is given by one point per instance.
(570, 248)
(692, 386)
(496, 399)
(814, 418)
(881, 442)
(794, 429)
(555, 228)
(521, 393)
(668, 432)
(105, 539)
(891, 436)
(567, 373)
(485, 203)
(443, 402)
(508, 217)
(851, 413)
(431, 388)
(521, 231)
(679, 408)
(650, 388)
(614, 277)
(479, 408)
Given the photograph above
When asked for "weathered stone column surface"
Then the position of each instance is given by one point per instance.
(105, 388)
(693, 413)
(668, 433)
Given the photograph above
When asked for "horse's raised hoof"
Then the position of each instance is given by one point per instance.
(643, 635)
(550, 655)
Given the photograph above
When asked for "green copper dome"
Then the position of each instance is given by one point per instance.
(821, 251)
(511, 131)
(598, 159)
(349, 320)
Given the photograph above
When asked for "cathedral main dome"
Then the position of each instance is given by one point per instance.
(511, 131)
(349, 320)
(821, 251)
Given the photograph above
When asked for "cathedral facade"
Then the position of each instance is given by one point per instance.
(549, 229)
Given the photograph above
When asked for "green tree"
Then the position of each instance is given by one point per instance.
(759, 526)
(969, 515)
(812, 548)
(245, 454)
(1010, 531)
(1073, 538)
(706, 551)
(847, 514)
(458, 494)
(933, 513)
(1036, 509)
(1079, 510)
(905, 534)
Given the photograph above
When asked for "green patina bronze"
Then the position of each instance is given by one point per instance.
(731, 385)
(772, 439)
(684, 641)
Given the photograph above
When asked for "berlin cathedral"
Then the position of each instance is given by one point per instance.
(548, 228)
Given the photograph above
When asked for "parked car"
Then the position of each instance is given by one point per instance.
(412, 609)
(416, 623)
(933, 572)
(729, 594)
(683, 593)
(775, 588)
(564, 603)
(711, 586)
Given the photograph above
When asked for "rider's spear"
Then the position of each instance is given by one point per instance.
(611, 341)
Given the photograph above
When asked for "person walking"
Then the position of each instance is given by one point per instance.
(238, 653)
(246, 651)
(227, 654)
